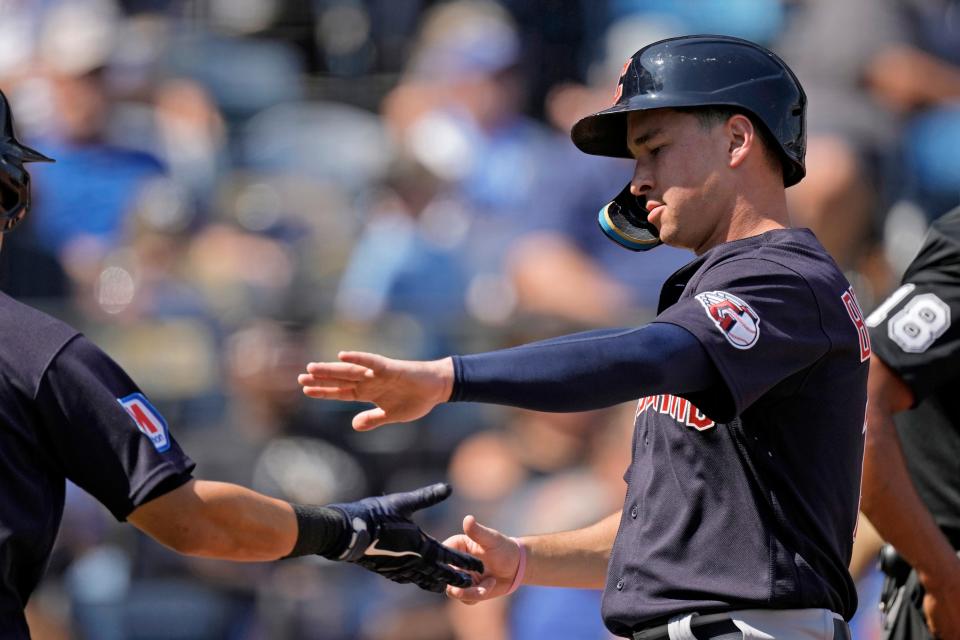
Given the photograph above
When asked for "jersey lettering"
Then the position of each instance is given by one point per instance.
(148, 420)
(734, 318)
(924, 319)
(856, 315)
(680, 409)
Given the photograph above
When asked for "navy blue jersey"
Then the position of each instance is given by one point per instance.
(66, 411)
(916, 332)
(746, 495)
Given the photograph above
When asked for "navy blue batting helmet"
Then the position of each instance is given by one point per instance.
(696, 71)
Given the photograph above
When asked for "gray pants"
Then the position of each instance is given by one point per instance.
(773, 624)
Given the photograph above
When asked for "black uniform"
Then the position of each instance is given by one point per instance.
(917, 334)
(67, 411)
(746, 497)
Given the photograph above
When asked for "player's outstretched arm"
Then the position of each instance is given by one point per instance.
(230, 522)
(403, 390)
(575, 559)
(891, 502)
(577, 372)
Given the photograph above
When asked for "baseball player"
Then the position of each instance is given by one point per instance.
(68, 411)
(916, 505)
(742, 495)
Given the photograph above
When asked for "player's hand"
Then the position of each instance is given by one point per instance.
(500, 556)
(387, 542)
(941, 606)
(403, 390)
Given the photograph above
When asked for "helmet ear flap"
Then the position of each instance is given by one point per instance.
(624, 220)
(14, 194)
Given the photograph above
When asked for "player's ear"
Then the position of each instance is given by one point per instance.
(741, 137)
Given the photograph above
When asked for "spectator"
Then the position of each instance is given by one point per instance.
(88, 195)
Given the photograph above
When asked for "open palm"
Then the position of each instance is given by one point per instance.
(403, 390)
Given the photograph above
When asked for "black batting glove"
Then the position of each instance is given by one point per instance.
(384, 540)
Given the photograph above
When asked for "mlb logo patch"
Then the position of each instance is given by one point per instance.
(148, 420)
(738, 323)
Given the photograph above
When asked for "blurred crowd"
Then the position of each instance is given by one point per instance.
(243, 186)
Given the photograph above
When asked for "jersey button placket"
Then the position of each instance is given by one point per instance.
(634, 512)
(620, 584)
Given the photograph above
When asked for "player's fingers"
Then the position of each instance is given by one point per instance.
(476, 593)
(373, 361)
(337, 370)
(456, 593)
(424, 497)
(459, 559)
(408, 502)
(331, 393)
(434, 586)
(460, 543)
(450, 576)
(310, 380)
(484, 536)
(369, 419)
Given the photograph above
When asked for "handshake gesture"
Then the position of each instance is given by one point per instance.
(384, 540)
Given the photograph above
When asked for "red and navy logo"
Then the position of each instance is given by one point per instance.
(739, 323)
(148, 420)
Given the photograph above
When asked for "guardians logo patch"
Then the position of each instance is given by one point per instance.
(738, 323)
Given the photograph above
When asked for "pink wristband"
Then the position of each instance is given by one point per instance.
(521, 567)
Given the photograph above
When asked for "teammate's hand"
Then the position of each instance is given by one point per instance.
(500, 556)
(941, 606)
(387, 542)
(403, 390)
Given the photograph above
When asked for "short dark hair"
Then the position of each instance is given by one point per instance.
(711, 116)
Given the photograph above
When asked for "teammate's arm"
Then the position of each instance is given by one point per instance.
(576, 559)
(572, 373)
(892, 504)
(225, 521)
(230, 522)
(103, 446)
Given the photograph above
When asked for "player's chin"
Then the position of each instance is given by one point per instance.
(669, 235)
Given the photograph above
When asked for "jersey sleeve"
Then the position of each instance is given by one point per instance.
(104, 433)
(915, 332)
(759, 322)
(585, 371)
